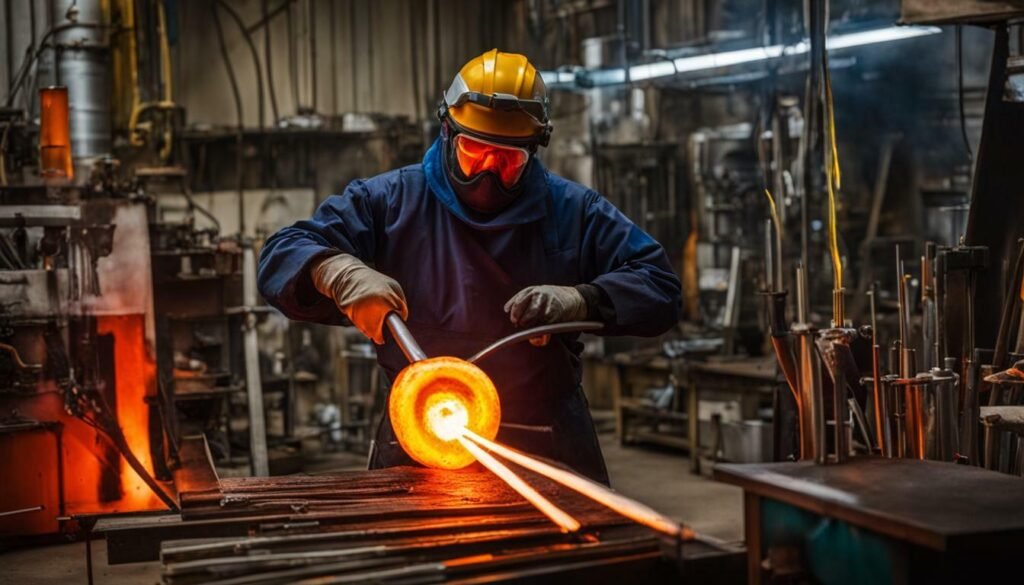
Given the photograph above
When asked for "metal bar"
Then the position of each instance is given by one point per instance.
(20, 511)
(39, 215)
(569, 327)
(557, 515)
(404, 338)
(253, 384)
(627, 507)
(882, 434)
(861, 420)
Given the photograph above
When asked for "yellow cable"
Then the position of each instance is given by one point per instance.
(774, 212)
(165, 51)
(833, 178)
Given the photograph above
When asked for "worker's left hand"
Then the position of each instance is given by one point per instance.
(545, 304)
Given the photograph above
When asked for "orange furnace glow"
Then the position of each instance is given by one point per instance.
(433, 400)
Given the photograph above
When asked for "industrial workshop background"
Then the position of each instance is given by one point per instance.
(148, 149)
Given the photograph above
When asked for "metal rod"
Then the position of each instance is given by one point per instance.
(569, 327)
(404, 338)
(557, 515)
(801, 293)
(629, 508)
(881, 412)
(861, 420)
(253, 383)
(20, 511)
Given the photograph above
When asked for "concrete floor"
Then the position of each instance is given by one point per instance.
(657, 478)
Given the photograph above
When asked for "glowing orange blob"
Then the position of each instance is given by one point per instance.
(433, 401)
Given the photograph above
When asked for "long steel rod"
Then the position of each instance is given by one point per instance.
(569, 327)
(564, 521)
(404, 338)
(253, 383)
(629, 508)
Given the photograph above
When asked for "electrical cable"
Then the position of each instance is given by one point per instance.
(255, 57)
(293, 63)
(960, 93)
(33, 54)
(202, 210)
(238, 109)
(413, 61)
(353, 60)
(311, 31)
(267, 17)
(832, 180)
(268, 57)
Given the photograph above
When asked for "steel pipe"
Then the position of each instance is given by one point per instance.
(569, 327)
(404, 338)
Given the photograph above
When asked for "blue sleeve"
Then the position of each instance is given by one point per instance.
(631, 270)
(350, 223)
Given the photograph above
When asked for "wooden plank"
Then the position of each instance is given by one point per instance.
(936, 505)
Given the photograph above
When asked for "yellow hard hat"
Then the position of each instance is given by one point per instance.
(499, 95)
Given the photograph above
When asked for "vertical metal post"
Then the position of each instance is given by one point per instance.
(253, 384)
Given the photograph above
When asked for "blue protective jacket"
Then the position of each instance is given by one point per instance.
(458, 271)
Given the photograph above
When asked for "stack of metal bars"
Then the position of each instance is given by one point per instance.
(414, 525)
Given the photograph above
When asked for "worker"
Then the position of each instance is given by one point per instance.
(474, 243)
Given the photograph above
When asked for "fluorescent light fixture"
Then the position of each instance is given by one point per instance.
(726, 58)
(553, 77)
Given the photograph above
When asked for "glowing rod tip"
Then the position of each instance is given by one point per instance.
(564, 521)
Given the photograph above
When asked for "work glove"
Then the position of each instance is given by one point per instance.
(364, 295)
(545, 304)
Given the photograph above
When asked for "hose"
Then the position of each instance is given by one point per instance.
(267, 56)
(238, 110)
(255, 56)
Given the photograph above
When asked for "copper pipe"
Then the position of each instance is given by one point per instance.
(881, 412)
(787, 362)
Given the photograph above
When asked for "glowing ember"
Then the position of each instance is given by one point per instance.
(447, 419)
(432, 400)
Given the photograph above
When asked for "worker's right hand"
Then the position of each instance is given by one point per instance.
(364, 295)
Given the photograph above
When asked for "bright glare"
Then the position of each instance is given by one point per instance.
(710, 61)
(448, 419)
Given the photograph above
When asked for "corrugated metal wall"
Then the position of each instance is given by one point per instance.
(384, 56)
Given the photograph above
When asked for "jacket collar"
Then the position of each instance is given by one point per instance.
(529, 207)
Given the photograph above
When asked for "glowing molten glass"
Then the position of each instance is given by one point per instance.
(433, 400)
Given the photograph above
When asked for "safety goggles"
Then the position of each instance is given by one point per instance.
(458, 93)
(476, 156)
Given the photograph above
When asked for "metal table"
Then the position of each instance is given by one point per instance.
(400, 524)
(880, 521)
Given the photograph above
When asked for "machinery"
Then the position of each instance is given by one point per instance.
(128, 312)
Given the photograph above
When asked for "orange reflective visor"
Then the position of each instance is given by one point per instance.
(476, 156)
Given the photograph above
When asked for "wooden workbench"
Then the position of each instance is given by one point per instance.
(942, 522)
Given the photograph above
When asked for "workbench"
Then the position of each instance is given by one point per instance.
(401, 524)
(750, 382)
(876, 520)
